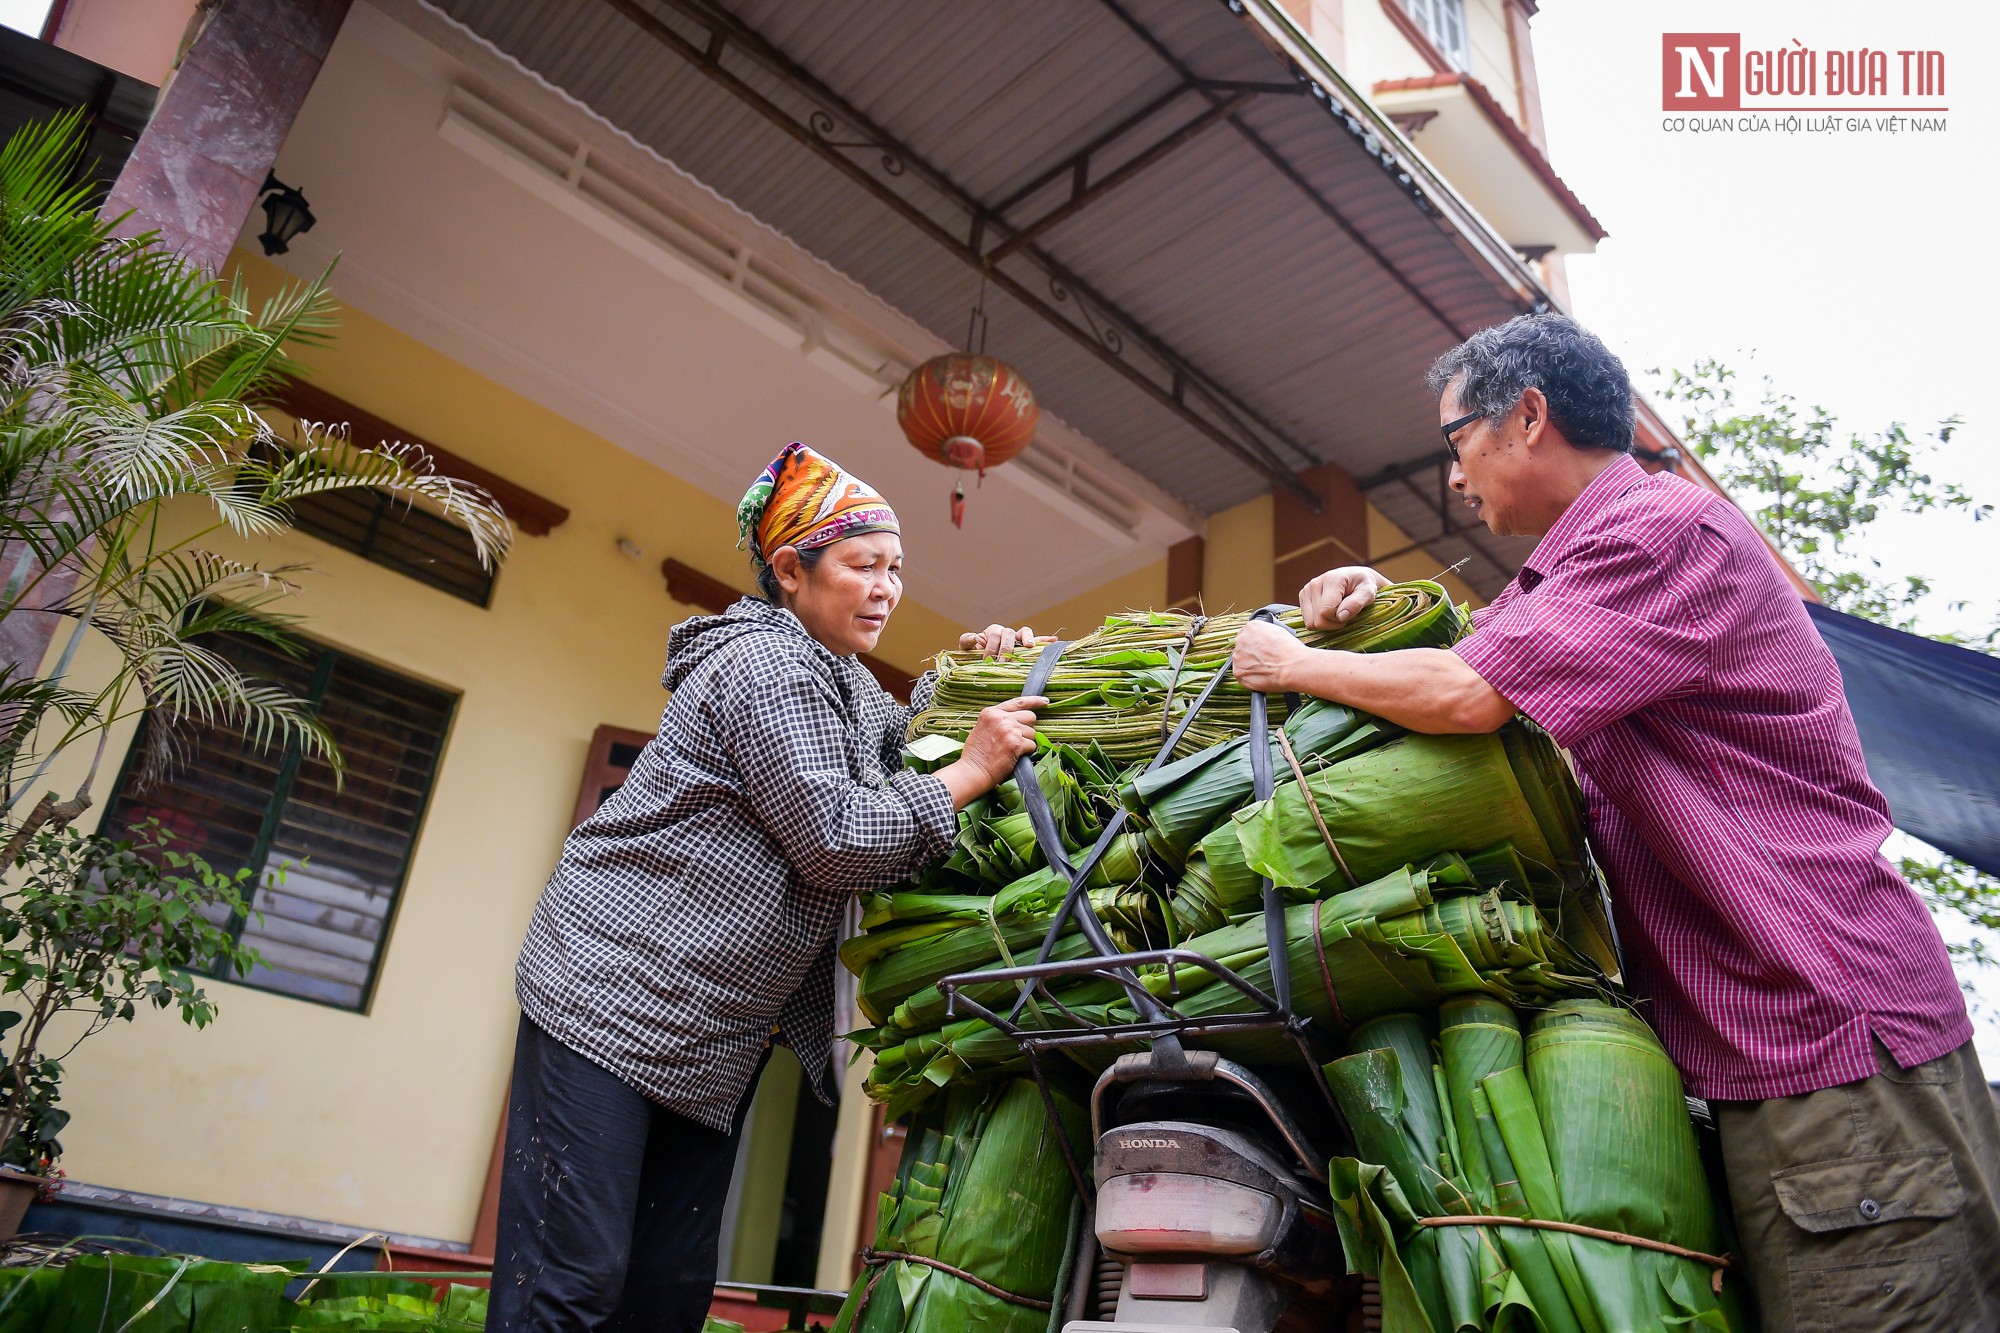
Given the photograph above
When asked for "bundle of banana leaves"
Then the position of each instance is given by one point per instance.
(983, 1189)
(1408, 940)
(1584, 1123)
(1125, 685)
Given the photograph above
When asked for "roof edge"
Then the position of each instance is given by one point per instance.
(1483, 98)
(1283, 33)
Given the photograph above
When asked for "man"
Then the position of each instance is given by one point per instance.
(1798, 983)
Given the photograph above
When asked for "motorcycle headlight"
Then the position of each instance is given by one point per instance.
(1173, 1213)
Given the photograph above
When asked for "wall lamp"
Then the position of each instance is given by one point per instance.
(285, 213)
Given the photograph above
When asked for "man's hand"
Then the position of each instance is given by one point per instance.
(1003, 733)
(996, 640)
(1266, 657)
(1339, 595)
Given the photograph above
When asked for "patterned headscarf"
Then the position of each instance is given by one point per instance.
(805, 500)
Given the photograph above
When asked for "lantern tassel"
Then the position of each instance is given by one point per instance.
(958, 504)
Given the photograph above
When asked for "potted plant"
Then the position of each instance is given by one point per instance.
(92, 931)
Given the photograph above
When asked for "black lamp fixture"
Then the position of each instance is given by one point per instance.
(286, 215)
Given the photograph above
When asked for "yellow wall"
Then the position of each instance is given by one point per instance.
(1076, 616)
(386, 1119)
(1236, 567)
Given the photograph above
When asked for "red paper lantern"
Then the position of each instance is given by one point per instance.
(967, 411)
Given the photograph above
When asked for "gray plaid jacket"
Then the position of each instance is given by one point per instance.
(695, 913)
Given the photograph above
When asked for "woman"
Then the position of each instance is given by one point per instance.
(691, 920)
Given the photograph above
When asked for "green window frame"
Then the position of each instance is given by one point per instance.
(323, 926)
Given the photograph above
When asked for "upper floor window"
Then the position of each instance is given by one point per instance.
(1443, 21)
(344, 848)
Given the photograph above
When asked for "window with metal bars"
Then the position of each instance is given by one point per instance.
(377, 527)
(1443, 21)
(344, 850)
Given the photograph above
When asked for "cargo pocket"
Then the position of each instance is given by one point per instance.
(1876, 1250)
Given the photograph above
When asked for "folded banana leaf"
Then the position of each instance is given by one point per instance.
(982, 1187)
(1402, 802)
(166, 1294)
(1180, 802)
(1388, 946)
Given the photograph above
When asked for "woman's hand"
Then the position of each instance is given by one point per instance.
(1265, 657)
(1002, 735)
(1339, 595)
(996, 640)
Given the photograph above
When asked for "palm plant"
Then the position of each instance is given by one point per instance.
(129, 439)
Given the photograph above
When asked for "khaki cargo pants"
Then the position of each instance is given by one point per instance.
(1874, 1205)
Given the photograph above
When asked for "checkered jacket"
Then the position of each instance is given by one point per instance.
(695, 913)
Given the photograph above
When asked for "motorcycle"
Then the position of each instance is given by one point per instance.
(1209, 1183)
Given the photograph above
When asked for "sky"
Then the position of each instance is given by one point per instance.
(1858, 272)
(24, 15)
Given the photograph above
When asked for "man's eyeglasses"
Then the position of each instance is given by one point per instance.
(1451, 428)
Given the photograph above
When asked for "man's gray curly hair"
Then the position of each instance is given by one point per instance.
(1590, 396)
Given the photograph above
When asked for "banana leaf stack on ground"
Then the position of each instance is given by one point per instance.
(73, 1291)
(973, 1236)
(1584, 1123)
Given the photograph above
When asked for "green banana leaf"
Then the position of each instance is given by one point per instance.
(984, 1188)
(1401, 802)
(1623, 1155)
(167, 1294)
(1180, 802)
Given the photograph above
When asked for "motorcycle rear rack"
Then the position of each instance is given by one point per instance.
(1033, 979)
(1157, 1022)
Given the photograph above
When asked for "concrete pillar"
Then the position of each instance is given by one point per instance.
(1305, 544)
(1185, 563)
(196, 172)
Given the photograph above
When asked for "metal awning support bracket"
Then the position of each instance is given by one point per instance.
(1098, 325)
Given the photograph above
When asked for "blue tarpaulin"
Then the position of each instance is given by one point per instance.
(1929, 717)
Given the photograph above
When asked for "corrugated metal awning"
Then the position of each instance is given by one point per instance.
(1200, 246)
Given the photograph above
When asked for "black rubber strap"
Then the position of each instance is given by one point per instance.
(1076, 903)
(1263, 783)
(1047, 836)
(1117, 825)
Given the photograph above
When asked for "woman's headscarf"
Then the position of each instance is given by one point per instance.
(806, 500)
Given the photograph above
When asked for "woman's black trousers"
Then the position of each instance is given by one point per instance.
(610, 1204)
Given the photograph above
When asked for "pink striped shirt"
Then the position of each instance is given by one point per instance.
(1654, 636)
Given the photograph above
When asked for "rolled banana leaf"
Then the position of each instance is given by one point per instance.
(1402, 802)
(1622, 1150)
(983, 1188)
(1126, 684)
